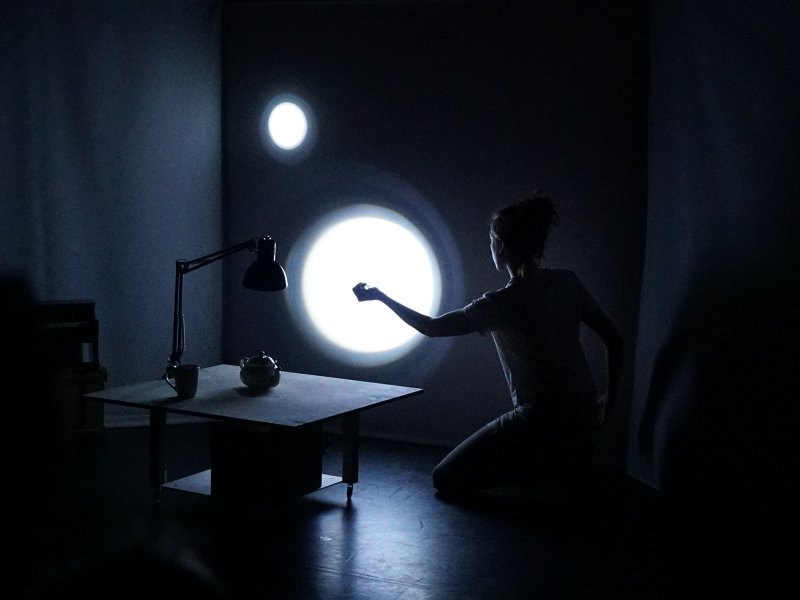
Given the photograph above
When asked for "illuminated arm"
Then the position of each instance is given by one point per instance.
(448, 324)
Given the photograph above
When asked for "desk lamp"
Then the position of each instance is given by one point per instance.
(264, 275)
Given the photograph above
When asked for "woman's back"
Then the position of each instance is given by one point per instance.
(535, 322)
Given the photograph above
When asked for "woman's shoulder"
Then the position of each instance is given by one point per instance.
(561, 279)
(559, 272)
(543, 277)
(559, 275)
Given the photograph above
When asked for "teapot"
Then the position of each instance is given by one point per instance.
(260, 372)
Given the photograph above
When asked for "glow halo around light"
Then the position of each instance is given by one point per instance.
(288, 128)
(384, 249)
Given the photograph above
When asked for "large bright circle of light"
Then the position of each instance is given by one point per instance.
(379, 247)
(287, 125)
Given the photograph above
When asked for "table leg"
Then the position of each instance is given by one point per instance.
(158, 461)
(350, 452)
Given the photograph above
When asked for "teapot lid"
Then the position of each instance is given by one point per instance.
(262, 359)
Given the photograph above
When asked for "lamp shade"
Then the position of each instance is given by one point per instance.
(265, 274)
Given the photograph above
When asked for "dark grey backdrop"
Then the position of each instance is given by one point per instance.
(443, 111)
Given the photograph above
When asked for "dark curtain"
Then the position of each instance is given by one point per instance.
(110, 167)
(714, 418)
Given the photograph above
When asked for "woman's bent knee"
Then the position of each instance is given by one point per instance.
(444, 480)
(439, 478)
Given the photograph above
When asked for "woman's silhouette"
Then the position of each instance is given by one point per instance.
(535, 322)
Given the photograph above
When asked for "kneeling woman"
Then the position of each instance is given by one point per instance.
(535, 322)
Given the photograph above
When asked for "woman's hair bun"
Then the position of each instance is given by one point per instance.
(537, 211)
(524, 226)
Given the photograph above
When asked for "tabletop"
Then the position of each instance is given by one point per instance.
(299, 399)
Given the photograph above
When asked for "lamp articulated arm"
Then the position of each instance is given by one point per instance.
(265, 274)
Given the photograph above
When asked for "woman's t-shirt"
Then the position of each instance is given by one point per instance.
(535, 323)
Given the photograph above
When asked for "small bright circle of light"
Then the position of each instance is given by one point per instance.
(381, 248)
(287, 125)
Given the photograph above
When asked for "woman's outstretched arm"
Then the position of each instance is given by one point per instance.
(448, 324)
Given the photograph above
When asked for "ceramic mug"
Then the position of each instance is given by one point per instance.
(183, 379)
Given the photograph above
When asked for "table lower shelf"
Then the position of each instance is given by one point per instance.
(200, 483)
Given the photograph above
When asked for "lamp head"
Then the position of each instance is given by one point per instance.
(265, 274)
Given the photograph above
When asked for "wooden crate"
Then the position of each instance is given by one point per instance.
(74, 414)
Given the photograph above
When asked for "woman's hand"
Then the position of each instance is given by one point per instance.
(363, 292)
(602, 410)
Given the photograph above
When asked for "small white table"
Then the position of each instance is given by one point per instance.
(298, 400)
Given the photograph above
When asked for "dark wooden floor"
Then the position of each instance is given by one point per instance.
(101, 534)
